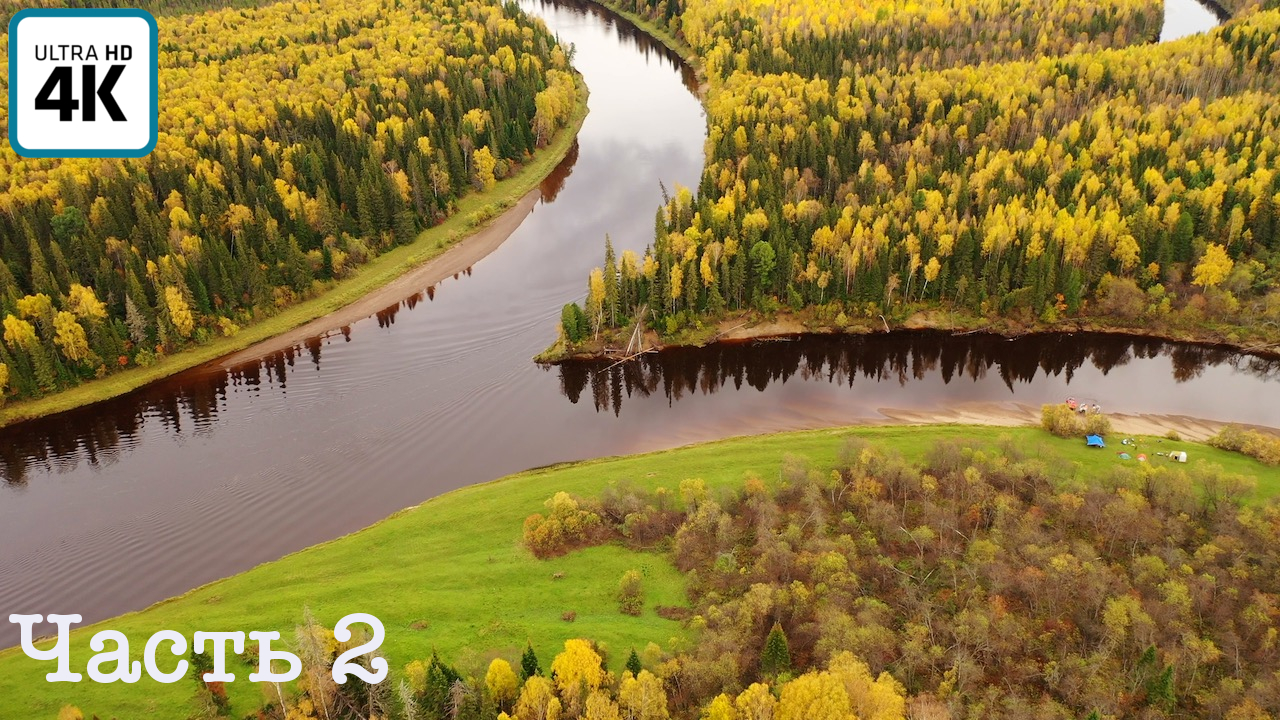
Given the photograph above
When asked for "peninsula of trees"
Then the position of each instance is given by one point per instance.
(297, 141)
(1038, 164)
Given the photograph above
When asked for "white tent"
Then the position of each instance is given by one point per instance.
(1179, 456)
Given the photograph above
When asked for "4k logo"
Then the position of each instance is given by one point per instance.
(83, 83)
(66, 104)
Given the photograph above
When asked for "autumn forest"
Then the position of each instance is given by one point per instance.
(1041, 164)
(297, 141)
(912, 546)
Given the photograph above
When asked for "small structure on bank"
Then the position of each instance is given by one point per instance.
(1094, 441)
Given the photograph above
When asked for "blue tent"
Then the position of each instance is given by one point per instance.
(1095, 441)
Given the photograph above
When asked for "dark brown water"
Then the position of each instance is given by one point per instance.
(112, 507)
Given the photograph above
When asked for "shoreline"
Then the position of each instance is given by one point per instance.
(383, 281)
(746, 328)
(976, 415)
(454, 260)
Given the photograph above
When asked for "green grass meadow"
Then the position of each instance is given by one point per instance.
(452, 576)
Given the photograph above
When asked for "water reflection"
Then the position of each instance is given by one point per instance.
(895, 358)
(626, 31)
(96, 436)
(1189, 17)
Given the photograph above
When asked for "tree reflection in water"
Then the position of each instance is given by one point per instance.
(189, 406)
(895, 357)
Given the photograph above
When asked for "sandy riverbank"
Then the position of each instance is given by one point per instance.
(456, 259)
(1017, 414)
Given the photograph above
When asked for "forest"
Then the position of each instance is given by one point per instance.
(1033, 163)
(972, 584)
(297, 141)
(979, 581)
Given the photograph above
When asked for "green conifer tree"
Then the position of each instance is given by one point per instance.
(776, 658)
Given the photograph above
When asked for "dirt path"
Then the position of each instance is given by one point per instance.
(456, 259)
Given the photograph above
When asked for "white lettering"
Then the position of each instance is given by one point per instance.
(219, 640)
(120, 656)
(149, 657)
(266, 655)
(343, 665)
(61, 650)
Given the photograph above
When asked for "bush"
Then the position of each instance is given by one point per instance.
(1097, 424)
(631, 593)
(568, 526)
(1061, 421)
(1265, 448)
(1230, 438)
(1065, 422)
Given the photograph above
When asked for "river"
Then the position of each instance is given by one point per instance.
(112, 507)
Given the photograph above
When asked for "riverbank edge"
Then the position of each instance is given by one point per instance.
(667, 39)
(757, 327)
(513, 196)
(546, 482)
(993, 420)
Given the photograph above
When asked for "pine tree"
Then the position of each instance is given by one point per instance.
(610, 282)
(1160, 689)
(529, 663)
(776, 658)
(633, 662)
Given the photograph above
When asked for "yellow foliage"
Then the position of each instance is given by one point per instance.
(814, 696)
(1214, 266)
(483, 164)
(36, 307)
(720, 708)
(577, 667)
(179, 311)
(537, 699)
(70, 337)
(19, 334)
(642, 697)
(501, 681)
(756, 703)
(85, 304)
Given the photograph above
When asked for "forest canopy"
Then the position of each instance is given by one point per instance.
(1041, 161)
(972, 584)
(297, 140)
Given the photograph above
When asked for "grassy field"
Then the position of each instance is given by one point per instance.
(451, 575)
(367, 278)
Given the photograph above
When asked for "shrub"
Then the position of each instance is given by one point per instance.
(566, 527)
(1061, 421)
(631, 593)
(1097, 424)
(1265, 448)
(1230, 438)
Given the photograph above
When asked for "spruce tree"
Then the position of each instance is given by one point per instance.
(776, 658)
(529, 663)
(633, 662)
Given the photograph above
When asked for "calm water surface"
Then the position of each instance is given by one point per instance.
(112, 507)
